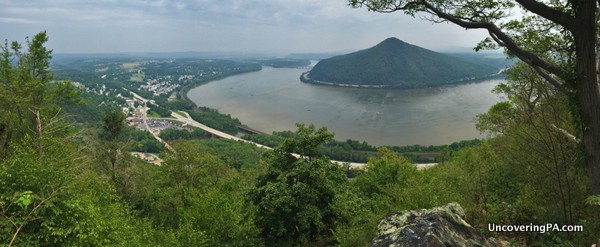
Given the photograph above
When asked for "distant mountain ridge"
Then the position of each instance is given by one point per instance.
(395, 63)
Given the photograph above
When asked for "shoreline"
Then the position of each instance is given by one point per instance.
(183, 92)
(186, 90)
(304, 77)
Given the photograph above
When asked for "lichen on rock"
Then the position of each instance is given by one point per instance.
(440, 226)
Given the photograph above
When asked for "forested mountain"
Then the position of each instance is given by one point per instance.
(394, 63)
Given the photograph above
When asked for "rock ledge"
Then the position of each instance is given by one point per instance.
(440, 226)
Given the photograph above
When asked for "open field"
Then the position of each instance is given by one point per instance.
(102, 69)
(134, 65)
(137, 77)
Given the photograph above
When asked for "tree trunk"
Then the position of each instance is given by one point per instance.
(588, 94)
(38, 130)
(112, 155)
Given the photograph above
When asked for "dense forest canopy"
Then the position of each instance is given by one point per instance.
(394, 63)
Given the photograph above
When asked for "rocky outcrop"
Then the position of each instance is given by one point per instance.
(441, 226)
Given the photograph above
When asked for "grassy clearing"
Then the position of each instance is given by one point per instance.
(153, 114)
(102, 69)
(130, 65)
(137, 77)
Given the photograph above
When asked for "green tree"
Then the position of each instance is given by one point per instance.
(49, 196)
(379, 190)
(56, 199)
(113, 126)
(295, 197)
(198, 197)
(29, 98)
(557, 39)
(387, 174)
(532, 131)
(185, 175)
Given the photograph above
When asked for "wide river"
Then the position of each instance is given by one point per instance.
(275, 99)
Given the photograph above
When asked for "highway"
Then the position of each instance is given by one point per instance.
(188, 120)
(191, 122)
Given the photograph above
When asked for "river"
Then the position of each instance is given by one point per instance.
(274, 99)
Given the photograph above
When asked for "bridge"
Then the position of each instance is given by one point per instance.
(249, 130)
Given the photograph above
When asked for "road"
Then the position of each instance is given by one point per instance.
(188, 120)
(145, 121)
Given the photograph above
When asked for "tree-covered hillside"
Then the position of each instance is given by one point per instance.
(394, 63)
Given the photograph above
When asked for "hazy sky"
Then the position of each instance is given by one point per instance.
(275, 26)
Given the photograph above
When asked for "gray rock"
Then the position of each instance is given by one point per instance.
(441, 226)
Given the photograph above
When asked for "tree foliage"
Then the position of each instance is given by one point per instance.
(185, 134)
(214, 119)
(113, 124)
(199, 197)
(28, 100)
(46, 197)
(535, 138)
(295, 197)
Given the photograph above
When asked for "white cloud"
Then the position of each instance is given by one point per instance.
(9, 20)
(234, 25)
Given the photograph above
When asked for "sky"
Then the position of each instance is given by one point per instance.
(252, 26)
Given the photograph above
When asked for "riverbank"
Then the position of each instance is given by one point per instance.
(275, 100)
(186, 89)
(304, 77)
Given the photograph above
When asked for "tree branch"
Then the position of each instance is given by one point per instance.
(498, 41)
(27, 218)
(566, 133)
(543, 10)
(394, 8)
(558, 85)
(498, 35)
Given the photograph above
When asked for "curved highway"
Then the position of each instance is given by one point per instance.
(188, 120)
